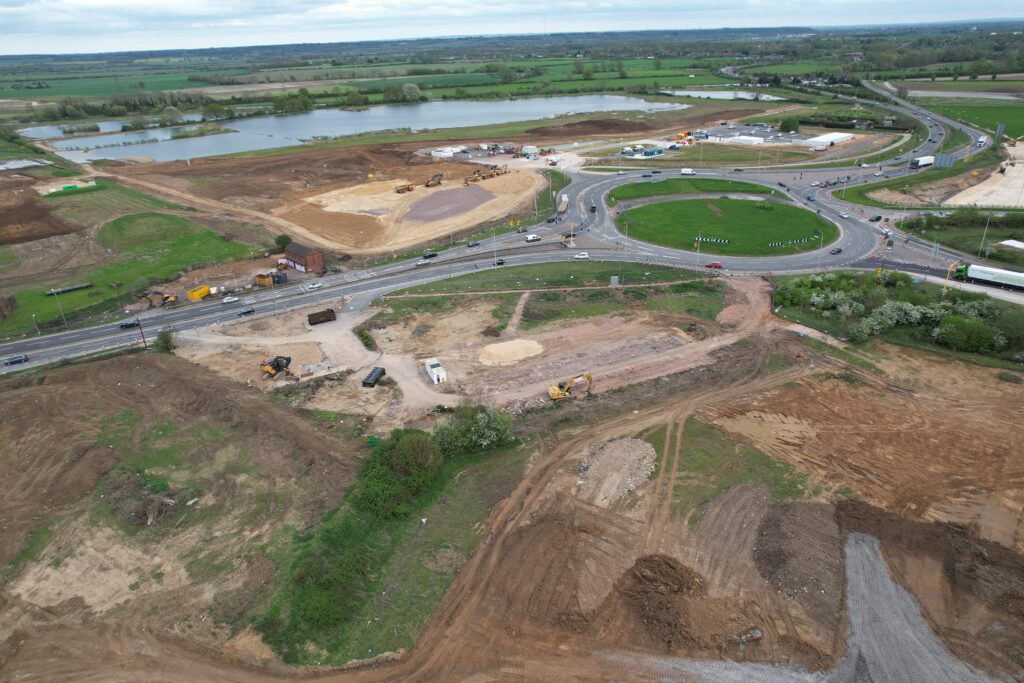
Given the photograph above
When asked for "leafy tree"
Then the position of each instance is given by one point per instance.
(474, 430)
(967, 334)
(657, 63)
(577, 66)
(411, 92)
(588, 75)
(790, 124)
(355, 99)
(282, 241)
(171, 116)
(164, 342)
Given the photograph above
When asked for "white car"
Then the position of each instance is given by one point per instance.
(314, 285)
(533, 238)
(815, 183)
(582, 256)
(844, 215)
(878, 174)
(230, 300)
(864, 165)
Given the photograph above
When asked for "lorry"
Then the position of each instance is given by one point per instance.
(687, 171)
(272, 278)
(325, 316)
(921, 162)
(992, 276)
(563, 203)
(198, 293)
(982, 141)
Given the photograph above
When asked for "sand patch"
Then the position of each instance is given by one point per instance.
(375, 199)
(510, 352)
(1005, 187)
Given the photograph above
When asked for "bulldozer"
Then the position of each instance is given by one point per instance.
(272, 367)
(402, 189)
(435, 180)
(571, 387)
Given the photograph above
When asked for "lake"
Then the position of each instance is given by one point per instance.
(266, 132)
(723, 95)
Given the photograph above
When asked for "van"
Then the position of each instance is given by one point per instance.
(687, 171)
(533, 238)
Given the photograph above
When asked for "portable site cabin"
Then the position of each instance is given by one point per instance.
(435, 371)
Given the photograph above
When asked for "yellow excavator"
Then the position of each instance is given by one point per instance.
(435, 180)
(402, 189)
(272, 367)
(571, 387)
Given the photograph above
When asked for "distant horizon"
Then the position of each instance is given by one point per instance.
(188, 25)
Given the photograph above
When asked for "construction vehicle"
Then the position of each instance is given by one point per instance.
(272, 367)
(402, 189)
(168, 300)
(475, 178)
(989, 276)
(571, 387)
(198, 293)
(324, 316)
(270, 279)
(435, 180)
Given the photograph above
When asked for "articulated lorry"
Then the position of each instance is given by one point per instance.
(921, 162)
(989, 276)
(563, 203)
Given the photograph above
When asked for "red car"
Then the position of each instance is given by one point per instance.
(714, 264)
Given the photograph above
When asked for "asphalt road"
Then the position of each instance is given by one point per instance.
(595, 232)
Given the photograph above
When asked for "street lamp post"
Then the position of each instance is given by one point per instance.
(61, 309)
(35, 324)
(141, 332)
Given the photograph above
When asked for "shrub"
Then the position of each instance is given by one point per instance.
(282, 241)
(397, 469)
(1010, 377)
(164, 342)
(472, 431)
(967, 334)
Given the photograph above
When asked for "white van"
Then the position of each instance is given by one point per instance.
(533, 238)
(687, 171)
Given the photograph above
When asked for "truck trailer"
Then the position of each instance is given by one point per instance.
(991, 276)
(921, 162)
(563, 203)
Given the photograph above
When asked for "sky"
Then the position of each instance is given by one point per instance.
(66, 26)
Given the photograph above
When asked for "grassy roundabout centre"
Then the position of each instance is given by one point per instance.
(728, 227)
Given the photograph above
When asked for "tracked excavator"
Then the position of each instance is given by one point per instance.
(435, 180)
(575, 385)
(272, 367)
(402, 189)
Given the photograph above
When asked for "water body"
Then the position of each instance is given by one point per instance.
(57, 131)
(723, 95)
(134, 137)
(266, 132)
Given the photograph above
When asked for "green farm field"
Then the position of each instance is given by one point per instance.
(750, 227)
(985, 114)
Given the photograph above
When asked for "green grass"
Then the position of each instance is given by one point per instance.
(984, 114)
(103, 202)
(968, 240)
(710, 464)
(670, 186)
(954, 138)
(842, 354)
(29, 551)
(549, 275)
(963, 85)
(154, 247)
(795, 69)
(698, 298)
(546, 307)
(749, 229)
(104, 86)
(657, 438)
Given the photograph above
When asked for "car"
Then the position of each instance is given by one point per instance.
(810, 197)
(552, 219)
(717, 265)
(655, 172)
(836, 250)
(522, 230)
(646, 175)
(738, 170)
(500, 262)
(582, 256)
(230, 300)
(815, 183)
(247, 311)
(15, 360)
(620, 173)
(533, 238)
(474, 243)
(864, 165)
(430, 254)
(128, 324)
(844, 215)
(422, 262)
(878, 174)
(875, 219)
(783, 185)
(314, 285)
(593, 208)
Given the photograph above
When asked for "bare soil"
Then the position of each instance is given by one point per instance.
(22, 217)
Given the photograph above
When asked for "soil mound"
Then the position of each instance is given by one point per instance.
(611, 470)
(510, 352)
(593, 127)
(652, 590)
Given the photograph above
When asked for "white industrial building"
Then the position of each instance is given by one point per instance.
(827, 140)
(745, 140)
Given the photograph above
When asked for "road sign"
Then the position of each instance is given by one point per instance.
(1000, 129)
(944, 160)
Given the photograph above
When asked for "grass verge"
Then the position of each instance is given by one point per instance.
(683, 186)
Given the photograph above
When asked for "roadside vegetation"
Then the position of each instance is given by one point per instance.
(729, 227)
(551, 275)
(328, 579)
(895, 307)
(670, 186)
(973, 232)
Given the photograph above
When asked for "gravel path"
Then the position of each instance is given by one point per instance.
(888, 640)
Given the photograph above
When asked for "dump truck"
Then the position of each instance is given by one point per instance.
(573, 386)
(324, 316)
(990, 276)
(402, 189)
(274, 366)
(435, 180)
(198, 293)
(271, 278)
(563, 203)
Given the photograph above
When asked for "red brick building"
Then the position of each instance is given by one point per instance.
(304, 259)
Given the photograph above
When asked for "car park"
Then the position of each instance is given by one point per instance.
(836, 250)
(247, 311)
(230, 300)
(16, 360)
(582, 256)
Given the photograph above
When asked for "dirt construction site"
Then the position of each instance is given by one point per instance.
(730, 504)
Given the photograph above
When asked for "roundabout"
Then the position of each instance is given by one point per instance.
(728, 226)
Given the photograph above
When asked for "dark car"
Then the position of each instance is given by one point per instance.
(430, 254)
(783, 185)
(129, 324)
(552, 219)
(875, 219)
(248, 311)
(593, 208)
(521, 230)
(655, 171)
(810, 197)
(474, 243)
(500, 262)
(738, 170)
(15, 360)
(836, 250)
(646, 175)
